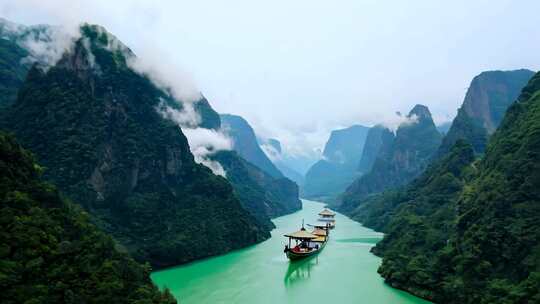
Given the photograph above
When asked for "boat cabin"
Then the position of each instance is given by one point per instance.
(304, 241)
(327, 216)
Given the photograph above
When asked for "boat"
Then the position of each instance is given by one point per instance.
(327, 216)
(306, 243)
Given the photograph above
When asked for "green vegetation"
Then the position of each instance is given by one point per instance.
(435, 188)
(486, 101)
(245, 143)
(400, 159)
(418, 221)
(467, 232)
(92, 122)
(49, 250)
(259, 185)
(12, 71)
(260, 193)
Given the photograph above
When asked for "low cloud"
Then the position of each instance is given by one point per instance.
(45, 44)
(203, 143)
(398, 120)
(166, 76)
(186, 117)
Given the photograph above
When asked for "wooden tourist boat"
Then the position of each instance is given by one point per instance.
(327, 216)
(306, 243)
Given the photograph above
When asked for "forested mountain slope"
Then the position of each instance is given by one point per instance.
(245, 143)
(471, 235)
(330, 176)
(486, 101)
(399, 160)
(49, 250)
(260, 193)
(92, 122)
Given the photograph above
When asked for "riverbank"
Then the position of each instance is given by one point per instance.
(344, 272)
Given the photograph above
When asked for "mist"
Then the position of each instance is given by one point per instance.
(298, 70)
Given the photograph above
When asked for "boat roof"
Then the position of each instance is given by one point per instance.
(319, 239)
(318, 231)
(301, 234)
(327, 212)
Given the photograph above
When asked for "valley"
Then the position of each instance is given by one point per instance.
(176, 153)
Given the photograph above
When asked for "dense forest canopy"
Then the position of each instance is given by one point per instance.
(50, 252)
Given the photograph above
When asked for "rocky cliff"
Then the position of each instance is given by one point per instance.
(486, 101)
(399, 160)
(245, 143)
(265, 195)
(331, 175)
(50, 252)
(471, 227)
(92, 122)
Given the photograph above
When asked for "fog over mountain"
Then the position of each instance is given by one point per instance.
(337, 63)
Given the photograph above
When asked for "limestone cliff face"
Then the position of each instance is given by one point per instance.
(484, 106)
(51, 251)
(261, 194)
(376, 136)
(466, 231)
(246, 144)
(249, 170)
(399, 159)
(92, 122)
(331, 175)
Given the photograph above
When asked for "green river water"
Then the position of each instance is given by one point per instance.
(344, 272)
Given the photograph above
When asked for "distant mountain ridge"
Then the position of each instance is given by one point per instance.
(399, 160)
(92, 121)
(377, 136)
(471, 225)
(261, 193)
(331, 175)
(488, 96)
(245, 143)
(272, 148)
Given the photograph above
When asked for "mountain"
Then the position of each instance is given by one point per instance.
(50, 252)
(245, 143)
(20, 46)
(92, 121)
(376, 137)
(275, 144)
(331, 175)
(261, 194)
(486, 101)
(472, 233)
(12, 71)
(289, 173)
(444, 127)
(345, 146)
(399, 160)
(272, 148)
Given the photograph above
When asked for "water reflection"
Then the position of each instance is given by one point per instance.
(300, 270)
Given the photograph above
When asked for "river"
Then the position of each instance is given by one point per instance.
(344, 272)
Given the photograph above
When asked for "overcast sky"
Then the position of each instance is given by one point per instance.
(298, 69)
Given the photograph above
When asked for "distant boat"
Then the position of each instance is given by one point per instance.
(327, 216)
(306, 243)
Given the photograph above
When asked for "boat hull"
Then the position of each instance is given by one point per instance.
(293, 256)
